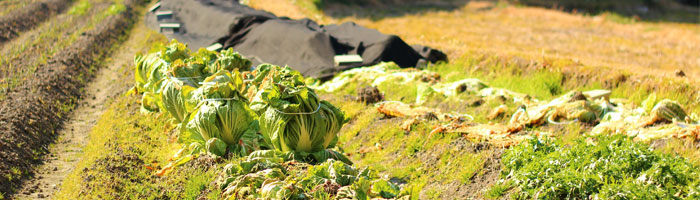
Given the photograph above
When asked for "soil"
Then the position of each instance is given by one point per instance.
(74, 135)
(117, 163)
(33, 114)
(480, 182)
(22, 64)
(27, 17)
(369, 95)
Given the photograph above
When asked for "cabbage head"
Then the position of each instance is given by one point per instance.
(230, 60)
(222, 112)
(668, 111)
(293, 118)
(174, 51)
(174, 97)
(149, 69)
(216, 146)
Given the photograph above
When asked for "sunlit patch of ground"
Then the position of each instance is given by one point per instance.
(607, 40)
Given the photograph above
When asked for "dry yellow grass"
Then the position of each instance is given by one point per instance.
(534, 33)
(280, 8)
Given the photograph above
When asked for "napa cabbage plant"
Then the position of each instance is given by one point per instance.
(174, 96)
(272, 174)
(292, 117)
(230, 60)
(221, 113)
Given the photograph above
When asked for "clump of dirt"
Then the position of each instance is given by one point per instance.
(26, 18)
(433, 77)
(33, 113)
(204, 161)
(369, 95)
(680, 73)
(327, 187)
(578, 96)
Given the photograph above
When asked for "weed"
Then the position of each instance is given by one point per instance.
(81, 8)
(617, 18)
(598, 166)
(115, 9)
(15, 171)
(498, 190)
(195, 185)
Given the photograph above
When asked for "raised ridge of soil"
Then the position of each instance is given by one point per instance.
(33, 113)
(26, 18)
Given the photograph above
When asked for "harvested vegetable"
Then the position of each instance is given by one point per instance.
(668, 111)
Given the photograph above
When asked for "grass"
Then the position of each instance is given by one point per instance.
(498, 190)
(81, 8)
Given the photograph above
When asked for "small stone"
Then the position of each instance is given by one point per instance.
(55, 168)
(40, 195)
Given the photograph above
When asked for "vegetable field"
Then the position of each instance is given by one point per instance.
(571, 101)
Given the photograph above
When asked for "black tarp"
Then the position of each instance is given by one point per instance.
(302, 44)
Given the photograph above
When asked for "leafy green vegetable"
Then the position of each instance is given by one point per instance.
(174, 96)
(668, 111)
(216, 146)
(293, 118)
(174, 51)
(271, 174)
(149, 69)
(230, 60)
(222, 111)
(149, 103)
(385, 189)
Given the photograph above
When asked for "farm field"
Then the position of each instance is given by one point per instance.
(534, 103)
(13, 4)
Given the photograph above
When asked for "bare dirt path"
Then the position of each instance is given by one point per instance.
(65, 154)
